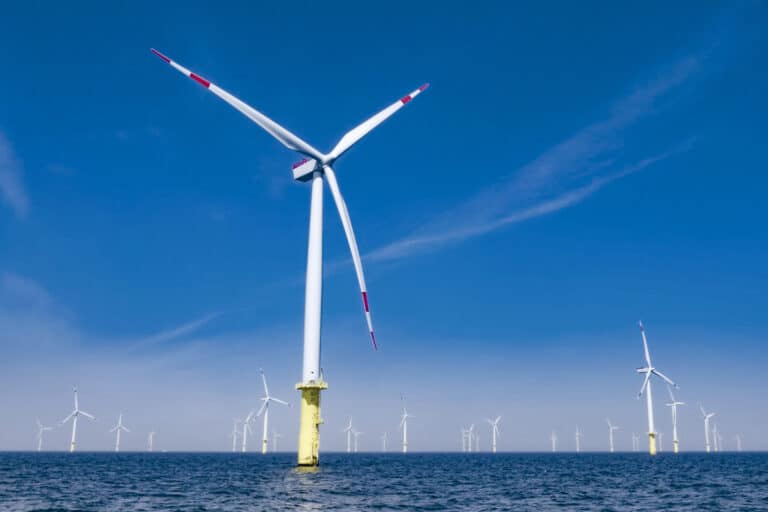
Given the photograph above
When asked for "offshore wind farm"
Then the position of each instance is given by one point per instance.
(562, 236)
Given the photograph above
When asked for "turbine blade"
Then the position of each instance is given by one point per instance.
(263, 406)
(87, 415)
(363, 129)
(67, 418)
(645, 345)
(645, 383)
(671, 396)
(279, 401)
(667, 379)
(347, 223)
(264, 379)
(287, 138)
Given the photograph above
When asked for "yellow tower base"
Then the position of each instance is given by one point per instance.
(309, 425)
(652, 443)
(676, 448)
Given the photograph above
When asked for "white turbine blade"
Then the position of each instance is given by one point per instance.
(113, 429)
(347, 223)
(497, 420)
(125, 429)
(701, 408)
(263, 406)
(645, 345)
(264, 379)
(645, 383)
(283, 402)
(402, 421)
(73, 413)
(658, 373)
(287, 138)
(671, 396)
(87, 415)
(361, 130)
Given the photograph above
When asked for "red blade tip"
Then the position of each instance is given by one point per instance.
(424, 87)
(373, 339)
(166, 59)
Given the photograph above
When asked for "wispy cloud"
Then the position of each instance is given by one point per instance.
(11, 179)
(562, 176)
(178, 331)
(24, 291)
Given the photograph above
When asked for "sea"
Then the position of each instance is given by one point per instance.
(383, 482)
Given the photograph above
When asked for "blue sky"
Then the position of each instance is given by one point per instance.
(571, 170)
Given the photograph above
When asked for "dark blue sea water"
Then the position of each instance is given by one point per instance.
(474, 482)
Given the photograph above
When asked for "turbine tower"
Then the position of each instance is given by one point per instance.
(707, 416)
(151, 441)
(234, 434)
(635, 442)
(404, 426)
(494, 431)
(464, 437)
(267, 398)
(716, 437)
(470, 437)
(74, 415)
(348, 430)
(384, 442)
(314, 167)
(648, 371)
(553, 438)
(39, 436)
(275, 436)
(611, 429)
(738, 443)
(673, 407)
(578, 439)
(119, 428)
(661, 441)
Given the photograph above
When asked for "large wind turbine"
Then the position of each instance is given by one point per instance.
(73, 416)
(313, 167)
(119, 428)
(39, 436)
(611, 429)
(553, 438)
(404, 426)
(348, 430)
(648, 371)
(707, 417)
(494, 431)
(267, 398)
(673, 407)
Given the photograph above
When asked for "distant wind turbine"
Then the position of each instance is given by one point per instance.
(247, 422)
(39, 436)
(118, 429)
(494, 431)
(470, 437)
(635, 442)
(578, 439)
(611, 429)
(151, 441)
(738, 442)
(648, 371)
(384, 442)
(357, 436)
(716, 437)
(661, 441)
(74, 415)
(267, 399)
(348, 430)
(464, 437)
(673, 407)
(707, 416)
(275, 436)
(234, 434)
(553, 438)
(404, 425)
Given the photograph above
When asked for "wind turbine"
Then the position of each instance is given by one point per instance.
(611, 429)
(314, 167)
(348, 430)
(470, 437)
(477, 443)
(661, 441)
(39, 437)
(553, 438)
(151, 441)
(673, 407)
(738, 443)
(648, 371)
(275, 437)
(267, 398)
(707, 417)
(404, 426)
(635, 442)
(234, 434)
(716, 437)
(119, 428)
(74, 415)
(578, 439)
(247, 422)
(384, 442)
(494, 431)
(357, 435)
